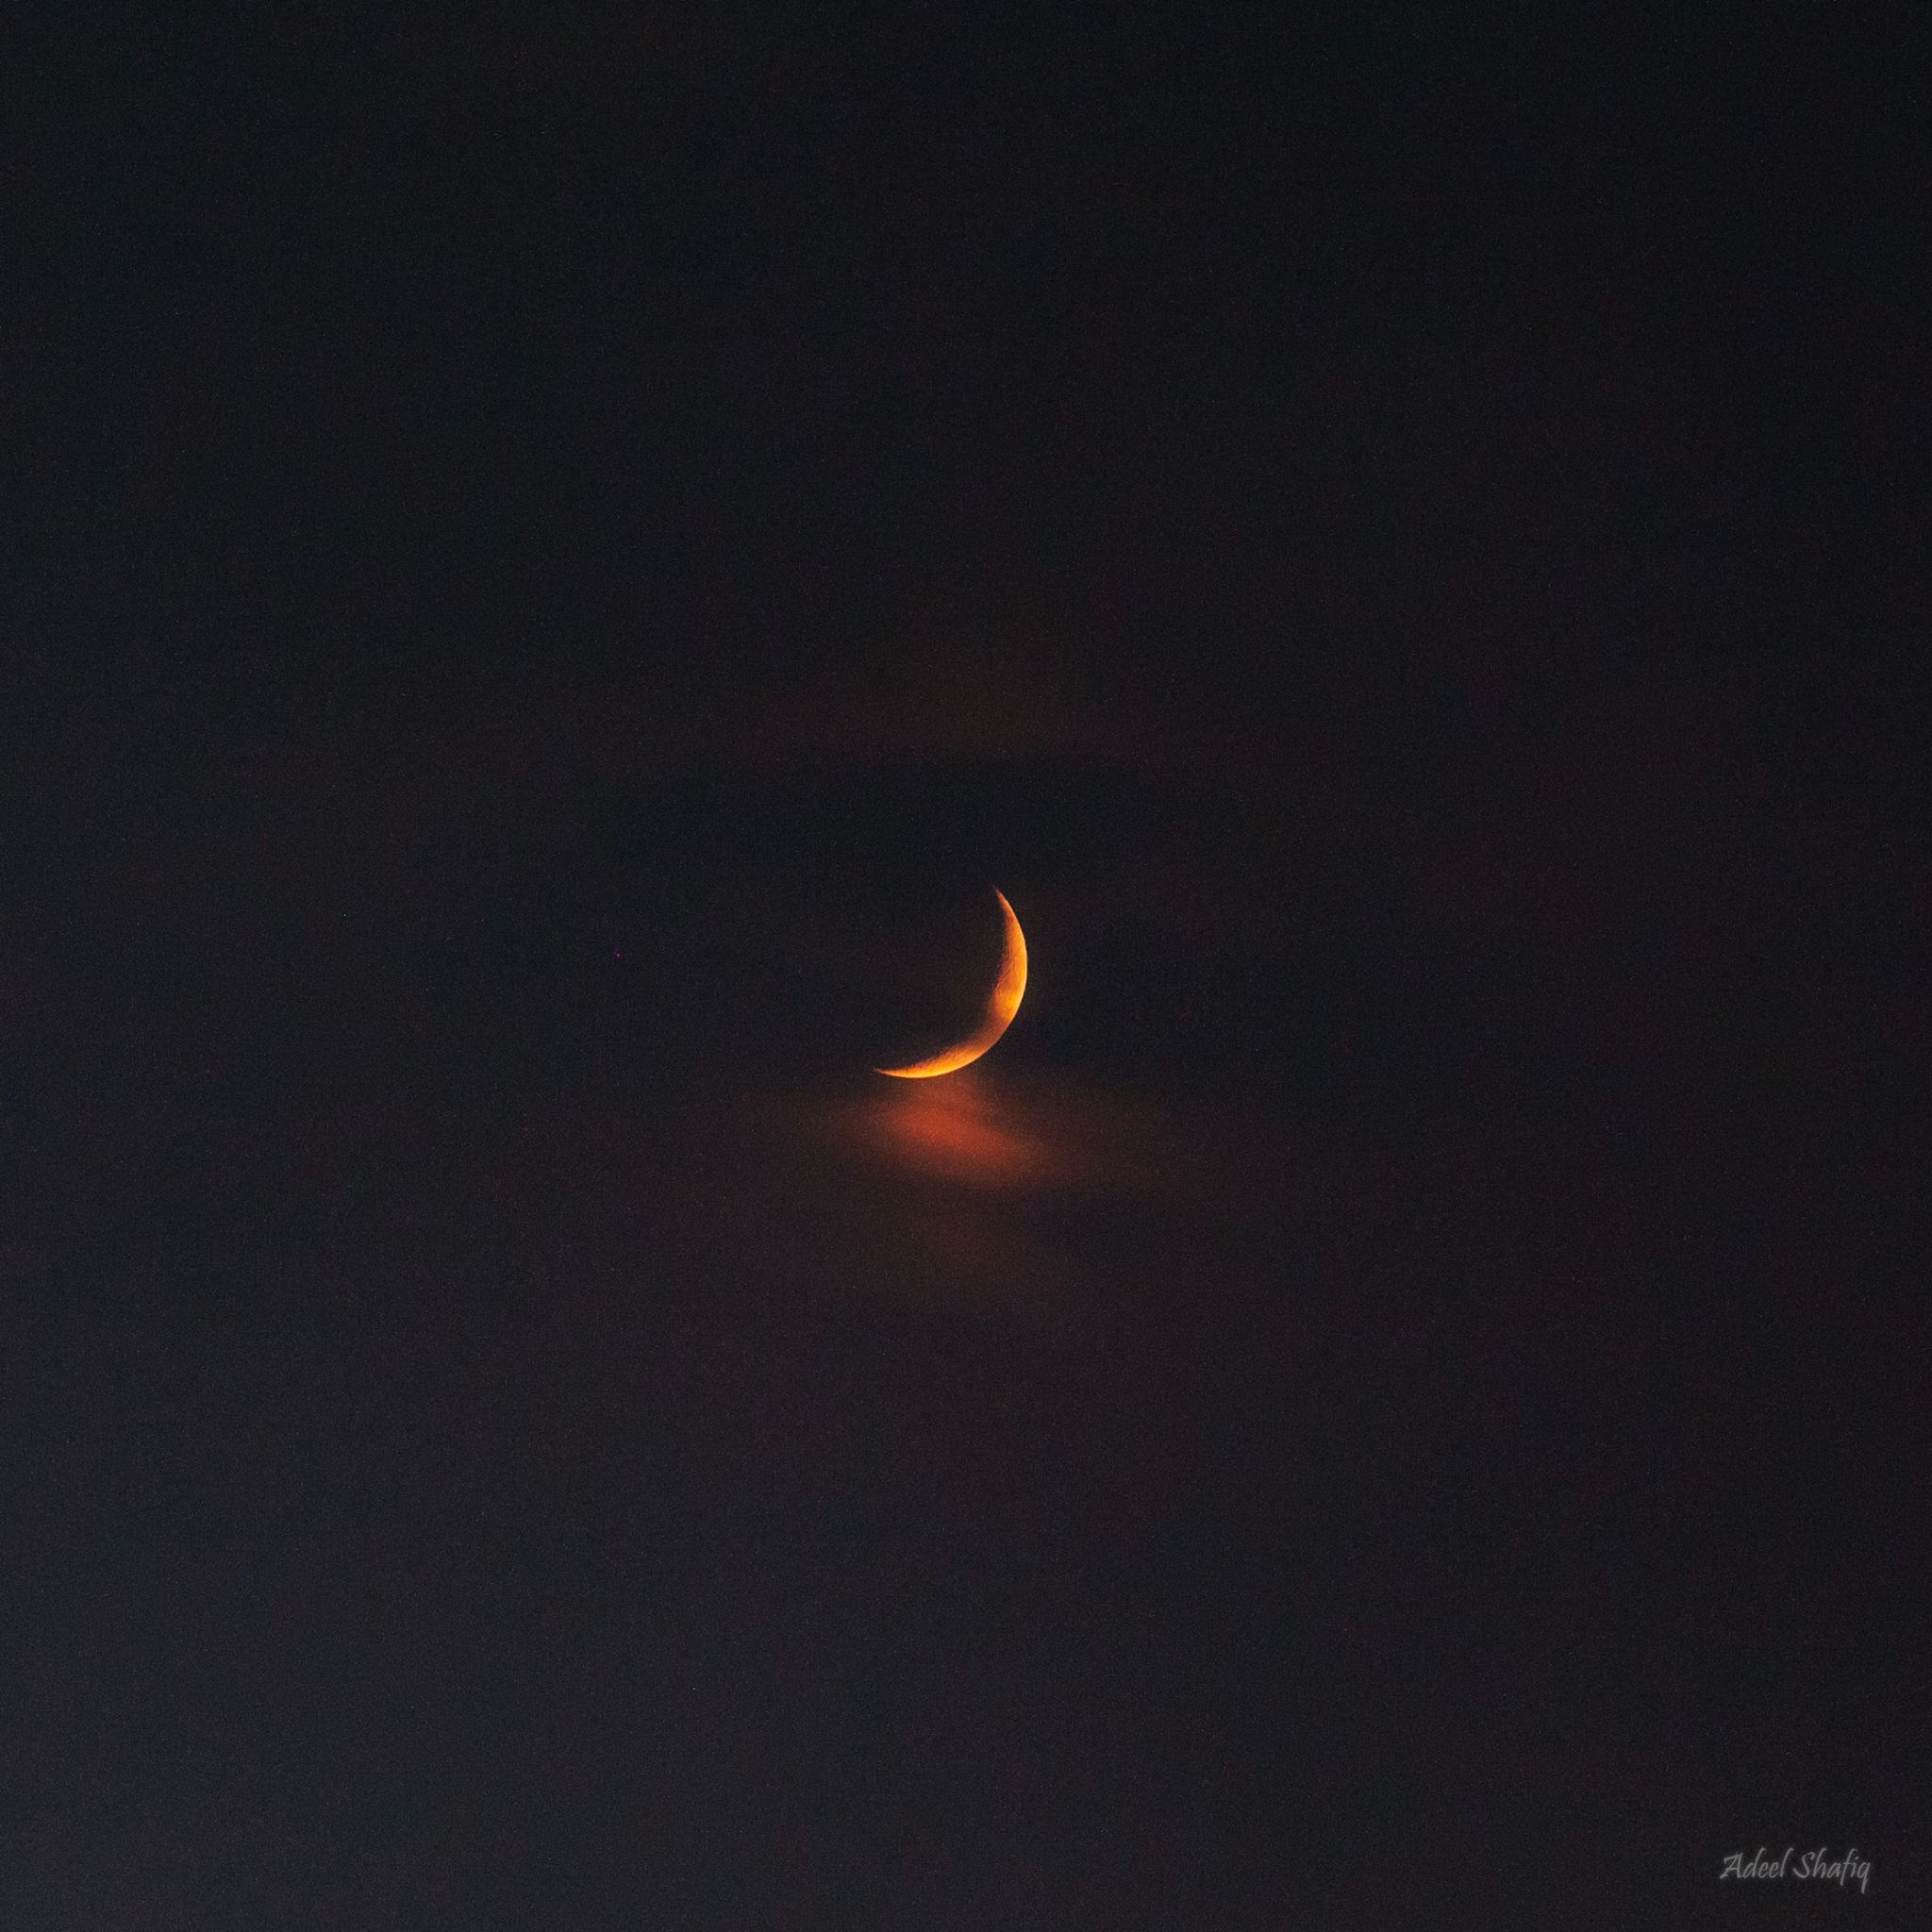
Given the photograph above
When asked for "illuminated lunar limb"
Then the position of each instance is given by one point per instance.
(1002, 1004)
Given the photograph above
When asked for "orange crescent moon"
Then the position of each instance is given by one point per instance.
(1002, 1004)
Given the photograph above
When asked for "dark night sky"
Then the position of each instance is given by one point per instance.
(551, 567)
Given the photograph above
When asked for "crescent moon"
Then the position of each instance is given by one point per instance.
(1002, 1004)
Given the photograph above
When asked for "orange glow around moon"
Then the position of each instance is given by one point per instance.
(1008, 991)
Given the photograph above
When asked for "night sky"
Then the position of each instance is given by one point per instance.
(551, 567)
